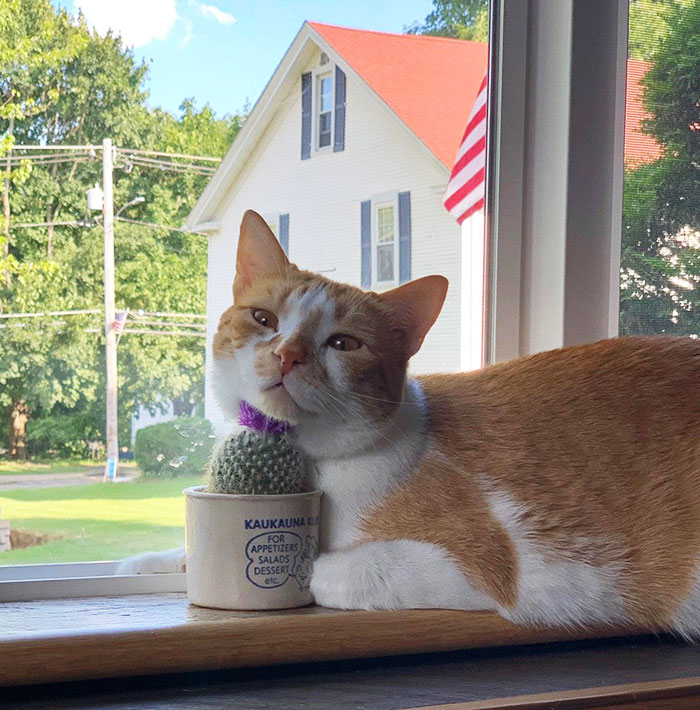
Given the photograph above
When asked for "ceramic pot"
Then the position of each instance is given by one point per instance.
(250, 551)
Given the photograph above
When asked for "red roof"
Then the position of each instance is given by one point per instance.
(639, 147)
(431, 84)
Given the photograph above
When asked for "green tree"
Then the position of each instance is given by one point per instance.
(61, 84)
(649, 25)
(661, 217)
(460, 19)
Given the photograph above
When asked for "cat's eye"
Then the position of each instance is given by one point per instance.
(269, 320)
(343, 342)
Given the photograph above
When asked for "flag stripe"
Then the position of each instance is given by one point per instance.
(470, 155)
(466, 188)
(475, 129)
(474, 182)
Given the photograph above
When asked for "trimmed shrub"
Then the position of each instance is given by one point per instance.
(61, 435)
(180, 447)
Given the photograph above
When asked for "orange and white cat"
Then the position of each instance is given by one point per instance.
(557, 489)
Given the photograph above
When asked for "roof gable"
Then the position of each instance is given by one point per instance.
(429, 82)
(413, 77)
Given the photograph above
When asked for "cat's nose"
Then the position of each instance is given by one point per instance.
(289, 356)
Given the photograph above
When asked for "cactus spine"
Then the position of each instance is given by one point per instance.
(256, 462)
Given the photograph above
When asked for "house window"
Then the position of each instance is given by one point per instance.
(385, 245)
(324, 103)
(273, 224)
(279, 226)
(386, 240)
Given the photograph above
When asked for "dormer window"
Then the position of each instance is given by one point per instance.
(322, 109)
(324, 102)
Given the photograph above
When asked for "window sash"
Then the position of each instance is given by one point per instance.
(385, 243)
(324, 109)
(80, 579)
(514, 187)
(553, 235)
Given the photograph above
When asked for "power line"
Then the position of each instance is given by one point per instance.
(26, 225)
(139, 314)
(153, 225)
(195, 326)
(95, 148)
(173, 167)
(139, 331)
(169, 155)
(58, 146)
(43, 314)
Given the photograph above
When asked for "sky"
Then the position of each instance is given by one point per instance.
(222, 52)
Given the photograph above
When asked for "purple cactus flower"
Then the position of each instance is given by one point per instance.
(253, 418)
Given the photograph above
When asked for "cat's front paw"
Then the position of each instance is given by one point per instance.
(393, 574)
(351, 579)
(169, 561)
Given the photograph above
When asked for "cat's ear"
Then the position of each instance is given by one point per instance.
(418, 304)
(259, 253)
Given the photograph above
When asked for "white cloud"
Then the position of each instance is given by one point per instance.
(189, 34)
(213, 13)
(137, 21)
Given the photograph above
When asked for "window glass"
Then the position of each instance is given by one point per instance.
(660, 266)
(385, 263)
(385, 224)
(325, 105)
(392, 124)
(326, 93)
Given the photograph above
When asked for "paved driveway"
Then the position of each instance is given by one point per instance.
(50, 480)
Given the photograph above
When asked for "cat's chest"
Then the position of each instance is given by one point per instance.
(353, 486)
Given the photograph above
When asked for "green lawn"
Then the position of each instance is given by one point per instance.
(103, 521)
(15, 468)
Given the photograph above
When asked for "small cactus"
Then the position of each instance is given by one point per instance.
(256, 462)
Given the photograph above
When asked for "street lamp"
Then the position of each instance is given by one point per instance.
(136, 201)
(95, 201)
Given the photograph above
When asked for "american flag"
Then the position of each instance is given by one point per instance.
(465, 190)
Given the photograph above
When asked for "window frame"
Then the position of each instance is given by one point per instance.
(378, 202)
(553, 234)
(65, 580)
(321, 72)
(272, 220)
(523, 39)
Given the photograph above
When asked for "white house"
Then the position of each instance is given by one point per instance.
(347, 154)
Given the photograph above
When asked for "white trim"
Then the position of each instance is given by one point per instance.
(472, 292)
(204, 227)
(505, 180)
(80, 579)
(555, 202)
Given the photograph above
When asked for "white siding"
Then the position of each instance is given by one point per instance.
(322, 196)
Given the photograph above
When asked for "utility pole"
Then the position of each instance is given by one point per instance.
(112, 463)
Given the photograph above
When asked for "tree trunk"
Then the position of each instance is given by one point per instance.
(19, 415)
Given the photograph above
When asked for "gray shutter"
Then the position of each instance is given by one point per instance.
(284, 232)
(404, 237)
(366, 236)
(306, 116)
(339, 129)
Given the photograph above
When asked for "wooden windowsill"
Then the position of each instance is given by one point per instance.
(111, 637)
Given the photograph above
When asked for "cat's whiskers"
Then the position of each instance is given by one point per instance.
(359, 416)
